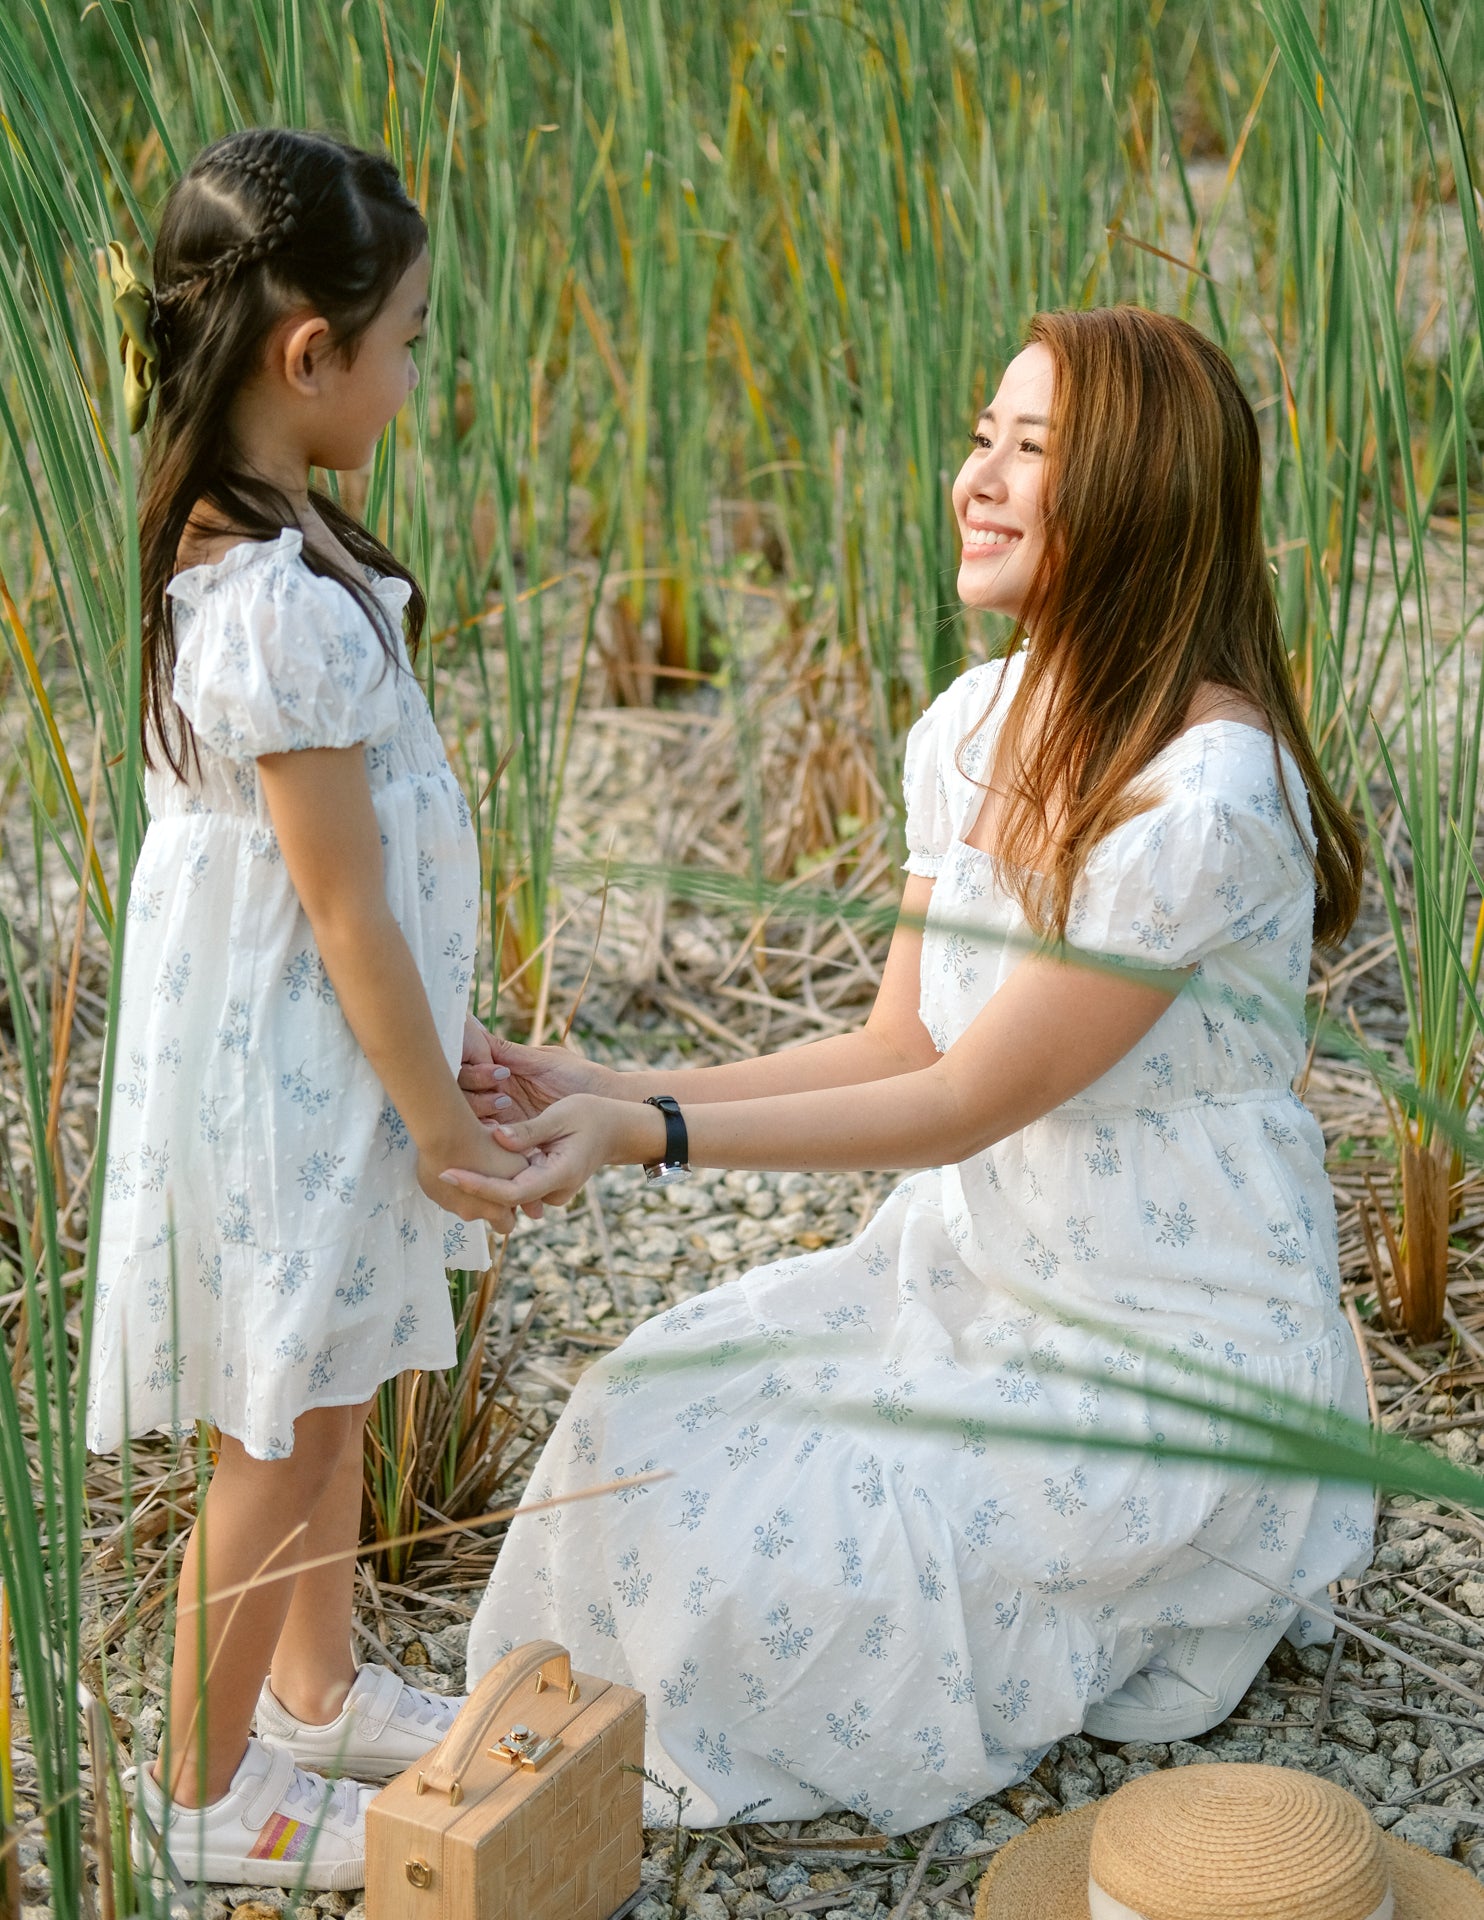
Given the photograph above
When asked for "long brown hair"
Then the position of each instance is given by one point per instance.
(1153, 579)
(262, 221)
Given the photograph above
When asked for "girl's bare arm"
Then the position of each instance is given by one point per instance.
(320, 804)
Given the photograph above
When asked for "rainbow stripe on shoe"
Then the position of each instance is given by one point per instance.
(282, 1839)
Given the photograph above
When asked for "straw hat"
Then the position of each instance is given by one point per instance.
(1221, 1841)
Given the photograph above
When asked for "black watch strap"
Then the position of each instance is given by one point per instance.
(677, 1141)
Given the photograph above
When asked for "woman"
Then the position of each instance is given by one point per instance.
(856, 1589)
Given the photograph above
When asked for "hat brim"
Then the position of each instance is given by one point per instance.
(1042, 1875)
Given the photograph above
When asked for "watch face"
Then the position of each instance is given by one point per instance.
(665, 1174)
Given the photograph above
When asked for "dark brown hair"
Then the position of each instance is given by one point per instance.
(1153, 580)
(263, 221)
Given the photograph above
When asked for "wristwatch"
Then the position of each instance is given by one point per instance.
(676, 1163)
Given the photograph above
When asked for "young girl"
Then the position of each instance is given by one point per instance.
(297, 959)
(850, 1591)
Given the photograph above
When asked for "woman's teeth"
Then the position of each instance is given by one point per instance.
(983, 540)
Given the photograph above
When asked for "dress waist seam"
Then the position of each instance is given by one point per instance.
(170, 816)
(1192, 1103)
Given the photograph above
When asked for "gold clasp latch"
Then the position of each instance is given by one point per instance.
(419, 1872)
(524, 1747)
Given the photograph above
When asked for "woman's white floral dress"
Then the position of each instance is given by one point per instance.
(838, 1599)
(265, 1246)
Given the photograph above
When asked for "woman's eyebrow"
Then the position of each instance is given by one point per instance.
(1021, 419)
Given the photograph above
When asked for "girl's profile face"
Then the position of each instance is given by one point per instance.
(997, 495)
(363, 397)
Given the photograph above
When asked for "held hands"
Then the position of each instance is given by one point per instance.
(464, 1140)
(564, 1145)
(504, 1081)
(493, 1164)
(507, 1085)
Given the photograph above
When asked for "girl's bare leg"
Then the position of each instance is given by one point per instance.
(313, 1662)
(257, 1514)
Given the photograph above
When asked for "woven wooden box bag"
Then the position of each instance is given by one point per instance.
(525, 1810)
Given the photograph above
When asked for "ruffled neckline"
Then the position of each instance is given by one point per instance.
(192, 582)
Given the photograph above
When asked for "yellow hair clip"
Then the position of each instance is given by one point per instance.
(133, 303)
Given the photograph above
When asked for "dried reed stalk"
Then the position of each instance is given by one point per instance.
(100, 1760)
(1422, 1276)
(626, 657)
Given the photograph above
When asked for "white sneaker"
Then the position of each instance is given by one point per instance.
(384, 1726)
(1189, 1688)
(275, 1826)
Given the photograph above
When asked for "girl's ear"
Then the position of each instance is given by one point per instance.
(302, 354)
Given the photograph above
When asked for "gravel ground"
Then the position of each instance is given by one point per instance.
(1407, 1746)
(1410, 1749)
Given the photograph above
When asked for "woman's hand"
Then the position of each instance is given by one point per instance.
(564, 1145)
(503, 1080)
(480, 1081)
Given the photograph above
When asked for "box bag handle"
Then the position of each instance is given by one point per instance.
(443, 1768)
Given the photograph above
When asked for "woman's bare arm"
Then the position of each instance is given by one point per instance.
(892, 1041)
(1053, 1028)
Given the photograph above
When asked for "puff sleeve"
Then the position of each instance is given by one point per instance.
(929, 825)
(943, 796)
(1194, 874)
(274, 658)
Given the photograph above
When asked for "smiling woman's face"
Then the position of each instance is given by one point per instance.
(997, 495)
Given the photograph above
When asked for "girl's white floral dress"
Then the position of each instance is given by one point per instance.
(265, 1246)
(854, 1590)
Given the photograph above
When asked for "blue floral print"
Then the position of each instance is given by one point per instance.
(857, 1532)
(260, 1187)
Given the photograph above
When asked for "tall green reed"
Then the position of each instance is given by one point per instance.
(69, 490)
(43, 1532)
(1422, 439)
(701, 276)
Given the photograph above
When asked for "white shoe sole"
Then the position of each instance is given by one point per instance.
(345, 1876)
(1122, 1724)
(215, 1869)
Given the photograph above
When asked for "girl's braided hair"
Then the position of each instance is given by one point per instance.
(263, 222)
(279, 216)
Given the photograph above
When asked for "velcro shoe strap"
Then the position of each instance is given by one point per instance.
(270, 1789)
(376, 1704)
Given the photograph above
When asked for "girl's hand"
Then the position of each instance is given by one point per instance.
(564, 1145)
(492, 1162)
(503, 1080)
(468, 1206)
